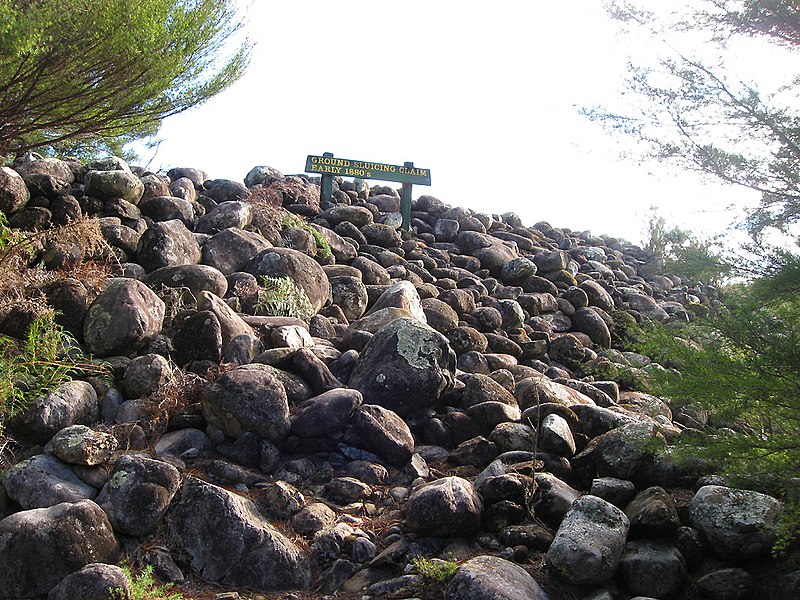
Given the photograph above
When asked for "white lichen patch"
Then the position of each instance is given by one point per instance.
(417, 345)
(118, 479)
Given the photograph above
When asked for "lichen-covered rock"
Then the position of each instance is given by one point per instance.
(72, 403)
(405, 366)
(231, 249)
(44, 481)
(114, 184)
(167, 244)
(192, 278)
(247, 399)
(227, 540)
(95, 581)
(493, 578)
(403, 295)
(738, 524)
(652, 568)
(447, 507)
(349, 294)
(40, 547)
(123, 318)
(82, 445)
(589, 541)
(138, 494)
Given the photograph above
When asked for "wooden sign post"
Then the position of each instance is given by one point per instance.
(408, 175)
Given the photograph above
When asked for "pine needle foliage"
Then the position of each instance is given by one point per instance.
(105, 72)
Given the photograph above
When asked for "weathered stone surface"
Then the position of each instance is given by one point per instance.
(95, 581)
(589, 542)
(44, 481)
(40, 547)
(192, 278)
(114, 184)
(493, 578)
(226, 539)
(247, 399)
(146, 374)
(383, 433)
(448, 507)
(138, 494)
(231, 249)
(81, 445)
(72, 403)
(167, 244)
(652, 513)
(405, 366)
(13, 192)
(653, 569)
(328, 412)
(124, 317)
(349, 294)
(738, 524)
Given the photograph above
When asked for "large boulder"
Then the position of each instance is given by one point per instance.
(73, 402)
(328, 412)
(247, 399)
(13, 192)
(40, 547)
(306, 273)
(384, 433)
(738, 524)
(114, 184)
(654, 569)
(493, 578)
(589, 541)
(226, 540)
(167, 244)
(231, 249)
(123, 318)
(96, 581)
(138, 494)
(447, 507)
(44, 481)
(405, 366)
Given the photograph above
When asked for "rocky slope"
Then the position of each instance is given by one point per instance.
(449, 394)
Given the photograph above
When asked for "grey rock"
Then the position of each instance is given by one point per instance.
(81, 445)
(123, 318)
(589, 542)
(725, 584)
(306, 273)
(405, 366)
(384, 433)
(448, 507)
(72, 403)
(493, 578)
(227, 540)
(189, 278)
(738, 524)
(652, 568)
(231, 249)
(555, 436)
(39, 547)
(44, 481)
(247, 400)
(138, 494)
(13, 192)
(146, 374)
(167, 244)
(114, 184)
(95, 581)
(225, 215)
(328, 412)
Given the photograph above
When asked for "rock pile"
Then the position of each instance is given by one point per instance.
(456, 392)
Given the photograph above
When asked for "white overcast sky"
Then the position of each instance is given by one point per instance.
(484, 94)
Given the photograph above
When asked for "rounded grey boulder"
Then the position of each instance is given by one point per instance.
(493, 578)
(738, 524)
(447, 507)
(122, 319)
(589, 542)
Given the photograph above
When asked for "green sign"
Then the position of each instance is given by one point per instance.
(329, 165)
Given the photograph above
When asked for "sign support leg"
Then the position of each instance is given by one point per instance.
(326, 185)
(405, 201)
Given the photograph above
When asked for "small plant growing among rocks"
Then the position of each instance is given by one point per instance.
(280, 297)
(144, 586)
